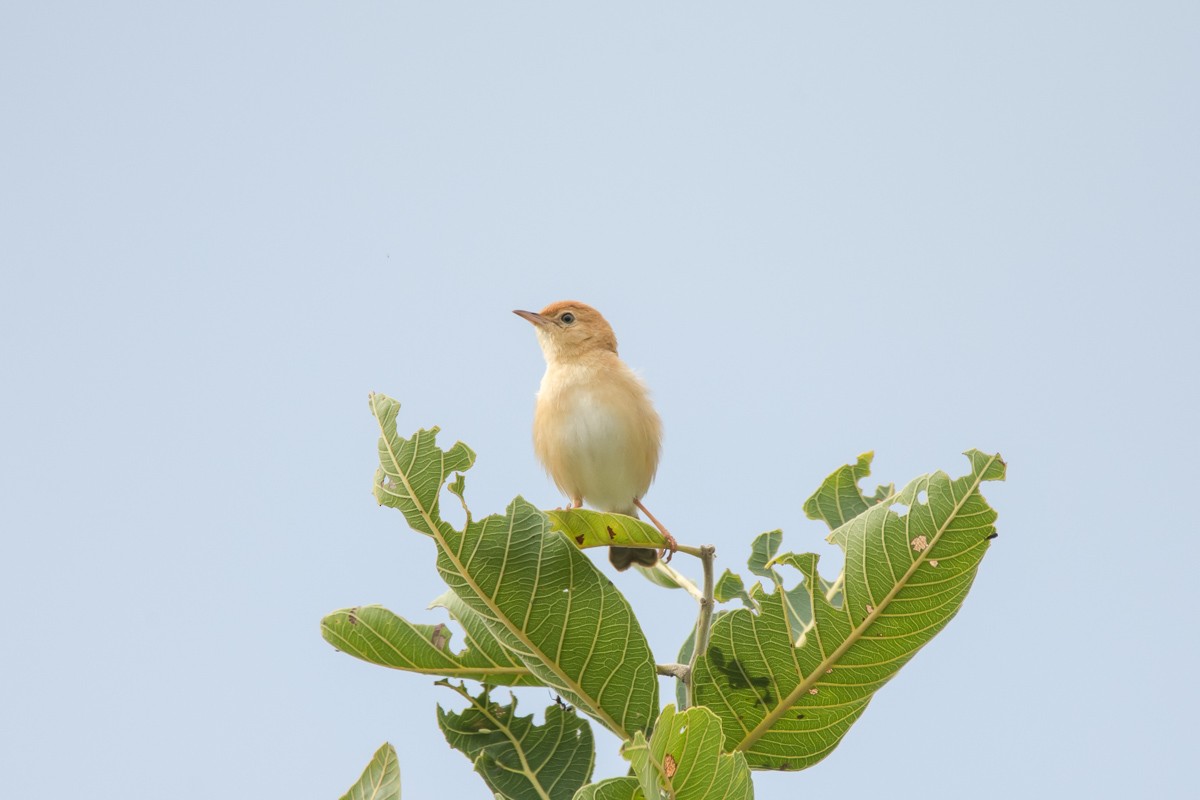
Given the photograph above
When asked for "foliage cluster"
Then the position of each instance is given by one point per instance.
(771, 685)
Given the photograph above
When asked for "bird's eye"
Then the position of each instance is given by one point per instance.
(567, 318)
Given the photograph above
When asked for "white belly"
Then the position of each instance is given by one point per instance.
(598, 446)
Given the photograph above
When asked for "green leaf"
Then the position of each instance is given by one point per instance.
(762, 550)
(380, 780)
(660, 575)
(531, 587)
(518, 759)
(588, 528)
(413, 471)
(729, 586)
(839, 499)
(611, 789)
(762, 562)
(787, 694)
(686, 759)
(480, 638)
(376, 635)
(546, 602)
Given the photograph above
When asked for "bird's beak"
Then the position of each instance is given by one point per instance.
(536, 319)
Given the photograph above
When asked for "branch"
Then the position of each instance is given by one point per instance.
(681, 671)
(704, 621)
(698, 552)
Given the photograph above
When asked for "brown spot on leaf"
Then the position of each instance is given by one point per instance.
(439, 637)
(579, 538)
(611, 533)
(353, 616)
(669, 765)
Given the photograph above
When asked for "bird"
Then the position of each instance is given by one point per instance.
(595, 429)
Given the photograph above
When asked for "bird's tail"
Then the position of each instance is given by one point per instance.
(624, 557)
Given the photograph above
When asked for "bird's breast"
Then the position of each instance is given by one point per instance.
(597, 434)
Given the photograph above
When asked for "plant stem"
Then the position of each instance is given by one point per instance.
(704, 621)
(680, 671)
(698, 552)
(679, 548)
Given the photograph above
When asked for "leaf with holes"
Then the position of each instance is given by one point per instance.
(380, 780)
(839, 499)
(786, 695)
(516, 758)
(413, 471)
(685, 759)
(762, 550)
(762, 562)
(730, 586)
(534, 591)
(376, 635)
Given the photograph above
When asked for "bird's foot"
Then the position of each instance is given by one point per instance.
(672, 545)
(670, 549)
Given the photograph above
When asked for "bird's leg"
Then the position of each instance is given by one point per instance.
(575, 503)
(672, 545)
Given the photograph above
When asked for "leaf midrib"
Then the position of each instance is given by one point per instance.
(782, 708)
(516, 744)
(451, 669)
(436, 531)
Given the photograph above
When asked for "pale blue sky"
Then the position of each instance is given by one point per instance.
(817, 230)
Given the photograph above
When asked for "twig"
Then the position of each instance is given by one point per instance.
(682, 548)
(681, 671)
(704, 621)
(698, 552)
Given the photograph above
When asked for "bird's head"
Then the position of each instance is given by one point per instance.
(569, 330)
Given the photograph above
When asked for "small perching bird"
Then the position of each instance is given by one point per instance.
(594, 428)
